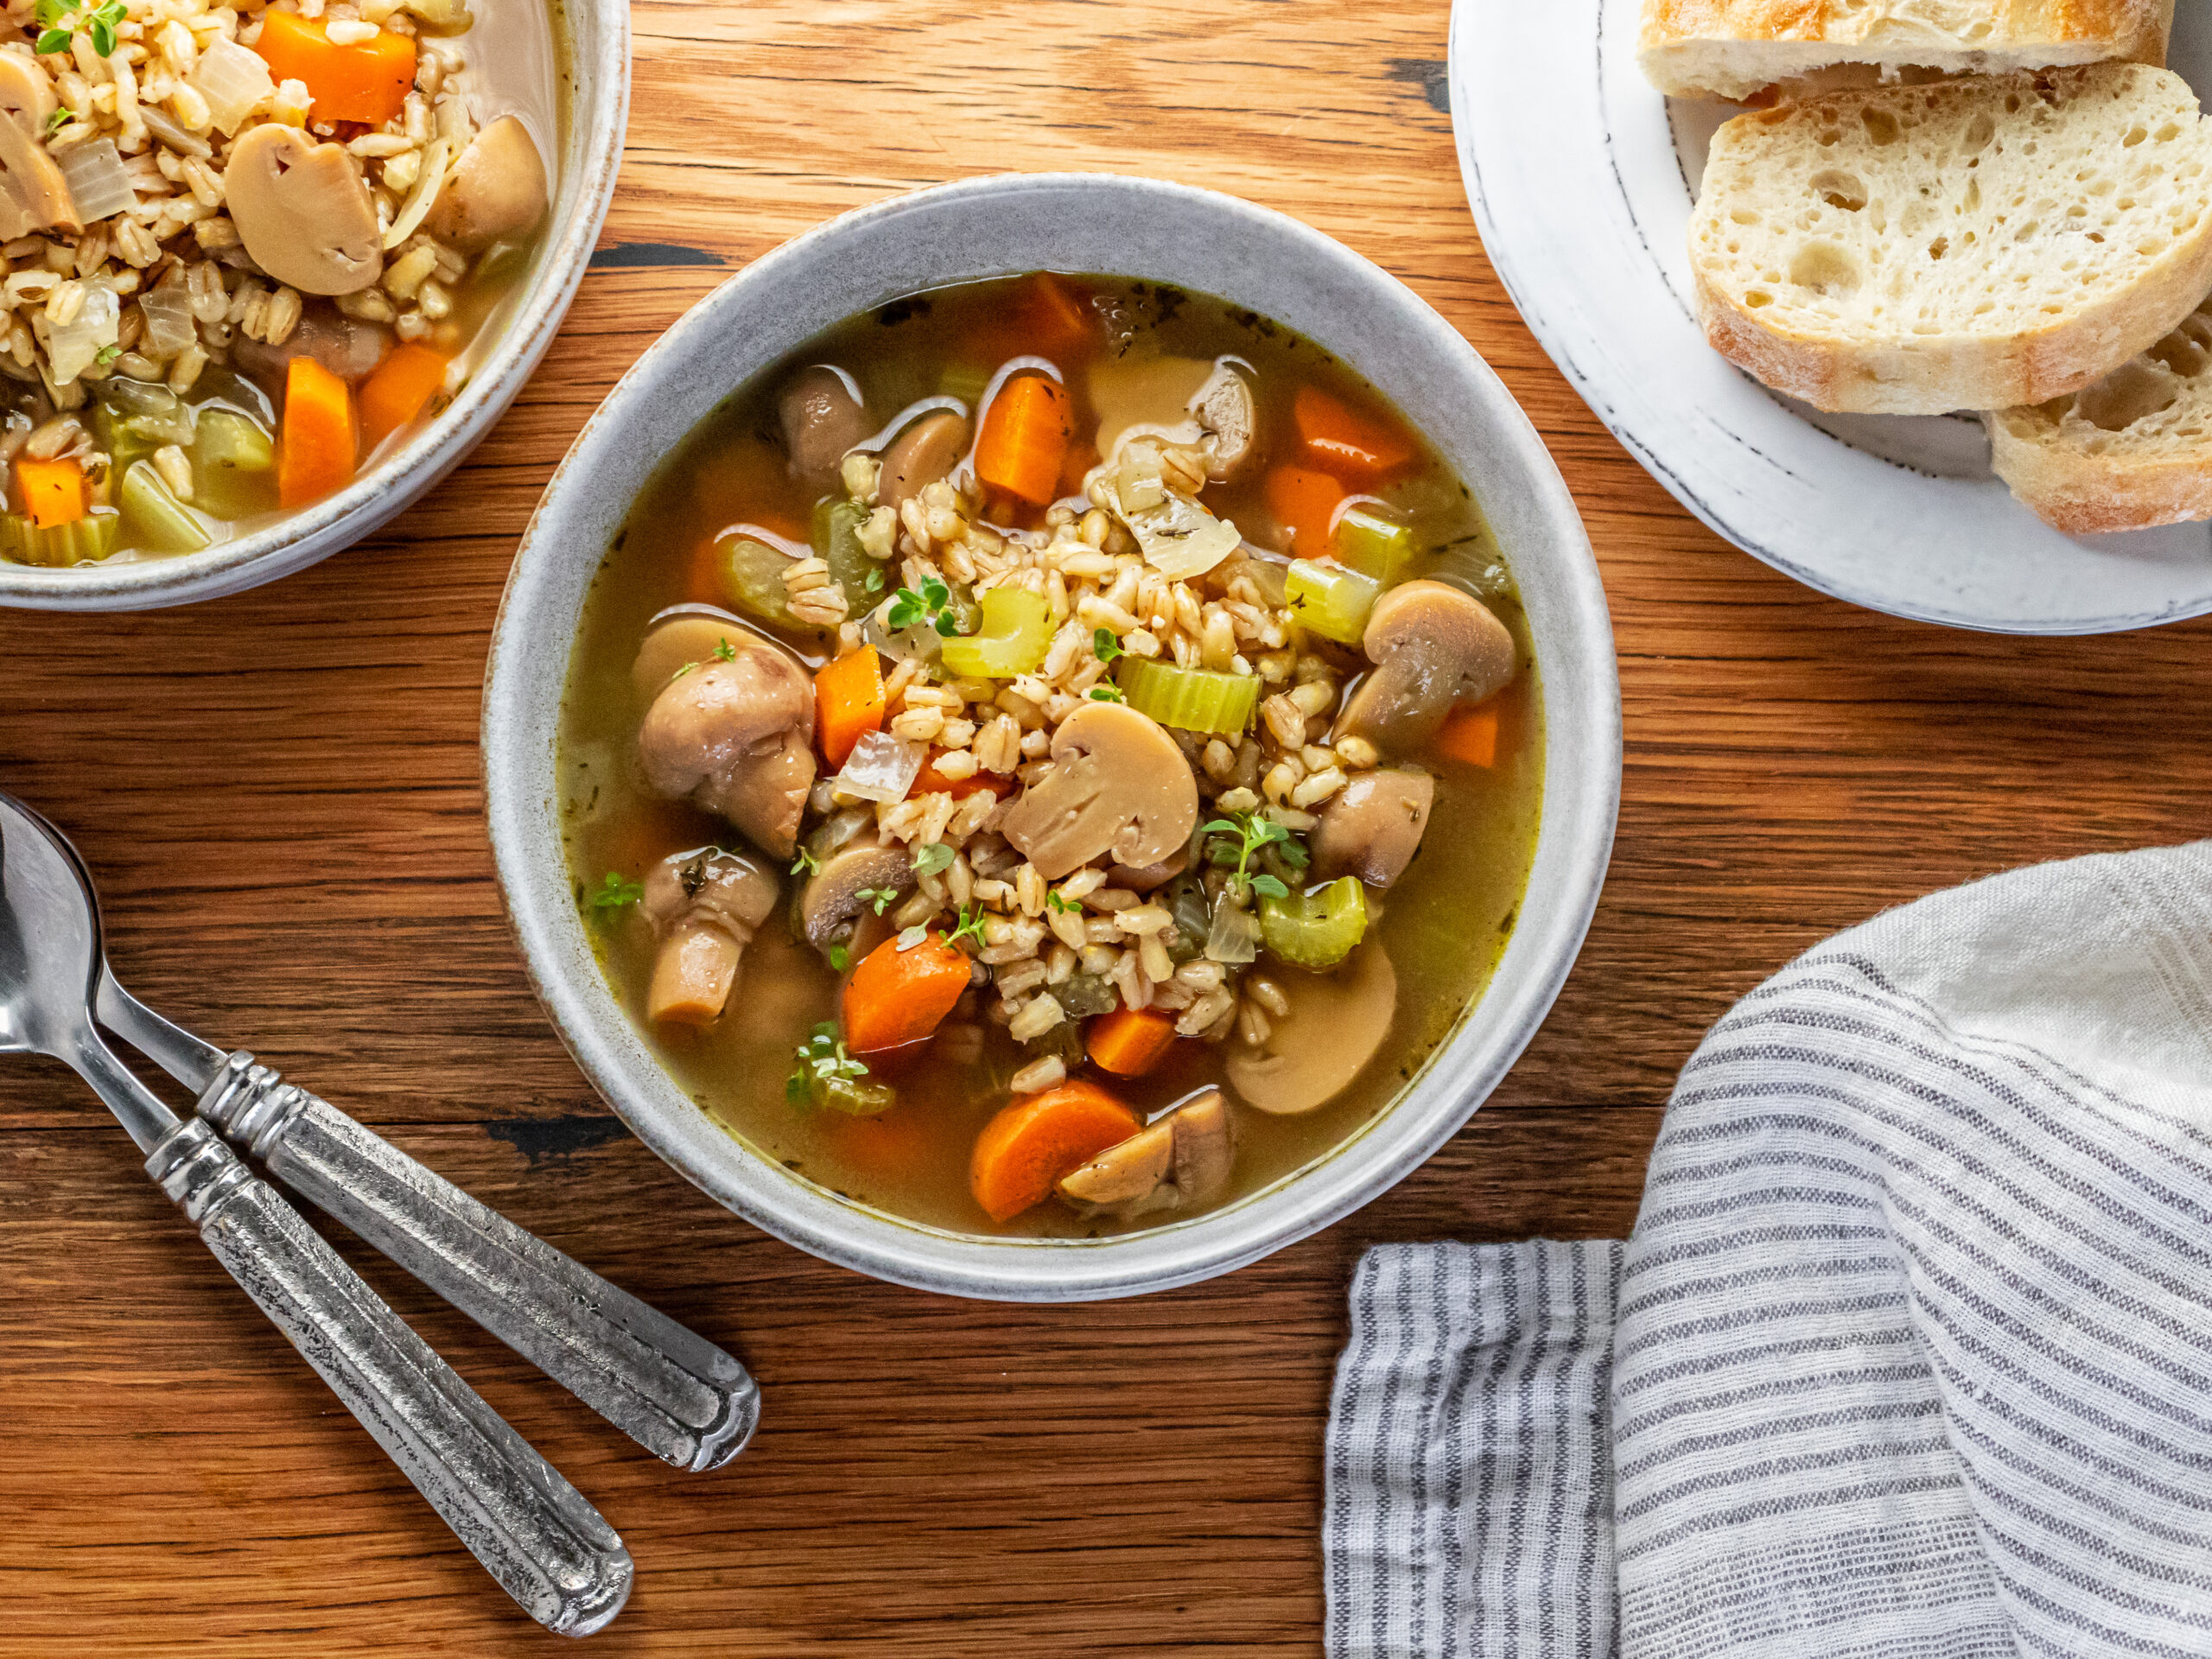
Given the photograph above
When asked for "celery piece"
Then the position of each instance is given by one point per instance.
(856, 1097)
(1017, 628)
(132, 419)
(1373, 540)
(233, 465)
(1330, 600)
(752, 575)
(153, 517)
(1190, 699)
(84, 541)
(1315, 929)
(837, 544)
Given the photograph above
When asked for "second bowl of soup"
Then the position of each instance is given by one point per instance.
(1068, 776)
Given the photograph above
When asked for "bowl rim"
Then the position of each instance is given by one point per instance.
(1569, 862)
(594, 92)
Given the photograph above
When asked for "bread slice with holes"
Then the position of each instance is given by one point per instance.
(1732, 48)
(1977, 243)
(2132, 452)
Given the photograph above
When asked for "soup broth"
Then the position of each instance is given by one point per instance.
(1322, 471)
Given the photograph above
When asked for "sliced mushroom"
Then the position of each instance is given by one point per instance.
(1179, 1162)
(737, 738)
(823, 418)
(1432, 646)
(1118, 784)
(302, 211)
(924, 451)
(685, 634)
(1337, 1021)
(26, 94)
(1224, 406)
(832, 901)
(705, 907)
(1146, 394)
(1372, 828)
(33, 195)
(1148, 878)
(350, 347)
(495, 193)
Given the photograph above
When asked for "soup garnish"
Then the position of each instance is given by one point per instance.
(245, 247)
(1053, 756)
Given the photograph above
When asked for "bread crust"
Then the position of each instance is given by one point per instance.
(1710, 47)
(1932, 374)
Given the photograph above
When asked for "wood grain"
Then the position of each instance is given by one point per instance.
(280, 793)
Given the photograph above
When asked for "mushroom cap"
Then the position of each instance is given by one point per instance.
(1337, 1021)
(1224, 406)
(496, 191)
(1127, 1172)
(302, 211)
(1372, 827)
(737, 738)
(26, 94)
(685, 634)
(33, 195)
(1432, 646)
(704, 906)
(1140, 395)
(350, 347)
(925, 450)
(1178, 1162)
(823, 418)
(832, 898)
(1118, 784)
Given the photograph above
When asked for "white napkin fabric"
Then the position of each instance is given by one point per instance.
(1909, 1356)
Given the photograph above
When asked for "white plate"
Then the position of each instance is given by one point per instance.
(1582, 179)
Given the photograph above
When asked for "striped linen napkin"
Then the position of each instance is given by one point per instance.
(1909, 1355)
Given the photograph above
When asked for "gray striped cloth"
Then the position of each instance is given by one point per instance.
(1909, 1356)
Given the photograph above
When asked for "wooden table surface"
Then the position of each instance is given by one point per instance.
(280, 795)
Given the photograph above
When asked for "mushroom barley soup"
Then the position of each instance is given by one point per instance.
(243, 247)
(1053, 756)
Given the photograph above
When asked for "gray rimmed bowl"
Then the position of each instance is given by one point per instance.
(593, 87)
(994, 227)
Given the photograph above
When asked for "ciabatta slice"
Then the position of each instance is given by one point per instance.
(1732, 48)
(1976, 244)
(2132, 452)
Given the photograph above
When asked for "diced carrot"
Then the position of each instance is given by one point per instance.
(53, 491)
(1304, 503)
(929, 781)
(1128, 1042)
(1026, 432)
(1470, 735)
(896, 997)
(1052, 321)
(319, 449)
(848, 702)
(1344, 443)
(1034, 1142)
(401, 388)
(367, 81)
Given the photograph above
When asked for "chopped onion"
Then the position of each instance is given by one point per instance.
(99, 185)
(424, 196)
(168, 311)
(163, 126)
(1181, 539)
(74, 346)
(233, 80)
(881, 767)
(1234, 937)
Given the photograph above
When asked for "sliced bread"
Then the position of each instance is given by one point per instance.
(1975, 243)
(1731, 48)
(2132, 452)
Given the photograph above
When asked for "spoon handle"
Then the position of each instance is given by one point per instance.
(533, 1532)
(667, 1388)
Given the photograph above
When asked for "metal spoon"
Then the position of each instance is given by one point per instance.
(534, 1532)
(669, 1389)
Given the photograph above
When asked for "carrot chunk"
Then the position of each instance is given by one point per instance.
(1026, 437)
(401, 388)
(53, 491)
(367, 81)
(1128, 1042)
(1034, 1142)
(1348, 445)
(317, 456)
(848, 702)
(896, 997)
(1304, 503)
(1470, 735)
